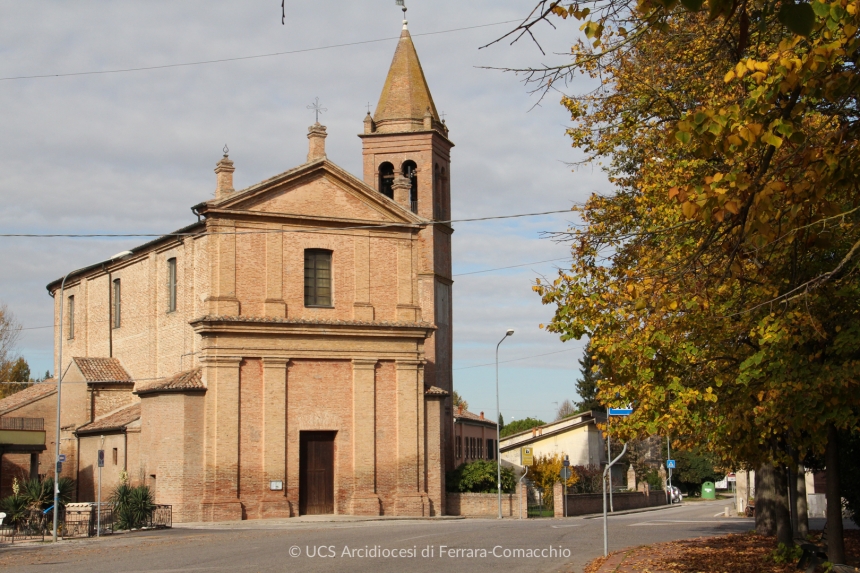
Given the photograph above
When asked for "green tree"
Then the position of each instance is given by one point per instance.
(12, 368)
(586, 386)
(479, 476)
(501, 422)
(518, 426)
(458, 401)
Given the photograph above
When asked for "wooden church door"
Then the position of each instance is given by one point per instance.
(316, 473)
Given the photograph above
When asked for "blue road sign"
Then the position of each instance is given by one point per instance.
(101, 458)
(620, 411)
(670, 464)
(62, 458)
(565, 473)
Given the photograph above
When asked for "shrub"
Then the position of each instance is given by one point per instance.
(39, 495)
(590, 479)
(479, 476)
(16, 508)
(132, 506)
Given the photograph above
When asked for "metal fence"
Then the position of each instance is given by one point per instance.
(31, 527)
(162, 517)
(38, 524)
(538, 505)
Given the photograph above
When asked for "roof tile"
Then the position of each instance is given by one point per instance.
(102, 370)
(27, 395)
(188, 380)
(113, 421)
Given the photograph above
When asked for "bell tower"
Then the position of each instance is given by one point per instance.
(406, 154)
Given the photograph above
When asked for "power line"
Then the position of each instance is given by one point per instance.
(518, 359)
(510, 267)
(267, 231)
(241, 58)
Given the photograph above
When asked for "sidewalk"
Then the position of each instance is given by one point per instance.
(281, 523)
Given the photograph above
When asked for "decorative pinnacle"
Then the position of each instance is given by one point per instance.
(402, 4)
(317, 107)
(226, 150)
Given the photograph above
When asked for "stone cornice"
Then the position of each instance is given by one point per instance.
(209, 324)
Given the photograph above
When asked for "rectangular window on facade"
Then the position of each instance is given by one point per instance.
(71, 317)
(458, 447)
(117, 304)
(480, 445)
(171, 285)
(491, 449)
(317, 277)
(115, 456)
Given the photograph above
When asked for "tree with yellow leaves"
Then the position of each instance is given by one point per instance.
(719, 284)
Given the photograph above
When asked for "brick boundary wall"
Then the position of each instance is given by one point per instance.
(483, 504)
(585, 503)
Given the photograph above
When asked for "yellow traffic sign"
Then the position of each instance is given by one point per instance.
(528, 456)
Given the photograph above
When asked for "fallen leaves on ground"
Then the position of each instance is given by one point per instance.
(729, 553)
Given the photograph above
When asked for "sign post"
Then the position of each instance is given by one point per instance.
(613, 412)
(605, 519)
(99, 505)
(565, 475)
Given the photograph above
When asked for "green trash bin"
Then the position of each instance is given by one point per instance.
(708, 490)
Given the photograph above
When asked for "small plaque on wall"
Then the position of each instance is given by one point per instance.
(277, 485)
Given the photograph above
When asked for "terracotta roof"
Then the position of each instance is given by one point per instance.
(27, 395)
(405, 96)
(435, 391)
(113, 421)
(188, 380)
(102, 370)
(472, 417)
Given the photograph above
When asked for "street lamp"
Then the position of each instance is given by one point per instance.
(510, 332)
(116, 257)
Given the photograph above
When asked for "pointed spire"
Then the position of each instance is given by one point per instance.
(405, 97)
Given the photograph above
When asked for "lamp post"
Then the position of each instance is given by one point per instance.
(498, 429)
(118, 256)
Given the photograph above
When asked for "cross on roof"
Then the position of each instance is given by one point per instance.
(443, 115)
(368, 107)
(317, 108)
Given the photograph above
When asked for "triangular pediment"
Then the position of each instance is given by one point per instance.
(319, 190)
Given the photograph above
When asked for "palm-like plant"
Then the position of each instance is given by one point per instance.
(16, 509)
(133, 506)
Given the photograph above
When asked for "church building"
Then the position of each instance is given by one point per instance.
(290, 352)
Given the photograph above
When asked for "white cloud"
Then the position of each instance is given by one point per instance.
(131, 152)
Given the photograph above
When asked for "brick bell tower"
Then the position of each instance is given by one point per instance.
(407, 158)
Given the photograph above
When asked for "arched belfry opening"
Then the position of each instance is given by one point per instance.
(410, 170)
(386, 179)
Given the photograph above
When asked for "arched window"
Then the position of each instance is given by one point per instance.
(386, 179)
(410, 171)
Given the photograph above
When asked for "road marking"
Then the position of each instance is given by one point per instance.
(560, 526)
(661, 521)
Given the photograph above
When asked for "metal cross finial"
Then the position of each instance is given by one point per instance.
(443, 116)
(368, 107)
(402, 4)
(317, 108)
(226, 150)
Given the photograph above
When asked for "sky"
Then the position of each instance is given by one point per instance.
(133, 151)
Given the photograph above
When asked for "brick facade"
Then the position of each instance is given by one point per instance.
(373, 368)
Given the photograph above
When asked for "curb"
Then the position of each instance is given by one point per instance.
(261, 523)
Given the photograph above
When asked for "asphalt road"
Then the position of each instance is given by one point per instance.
(473, 545)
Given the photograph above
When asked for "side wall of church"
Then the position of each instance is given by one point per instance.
(151, 341)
